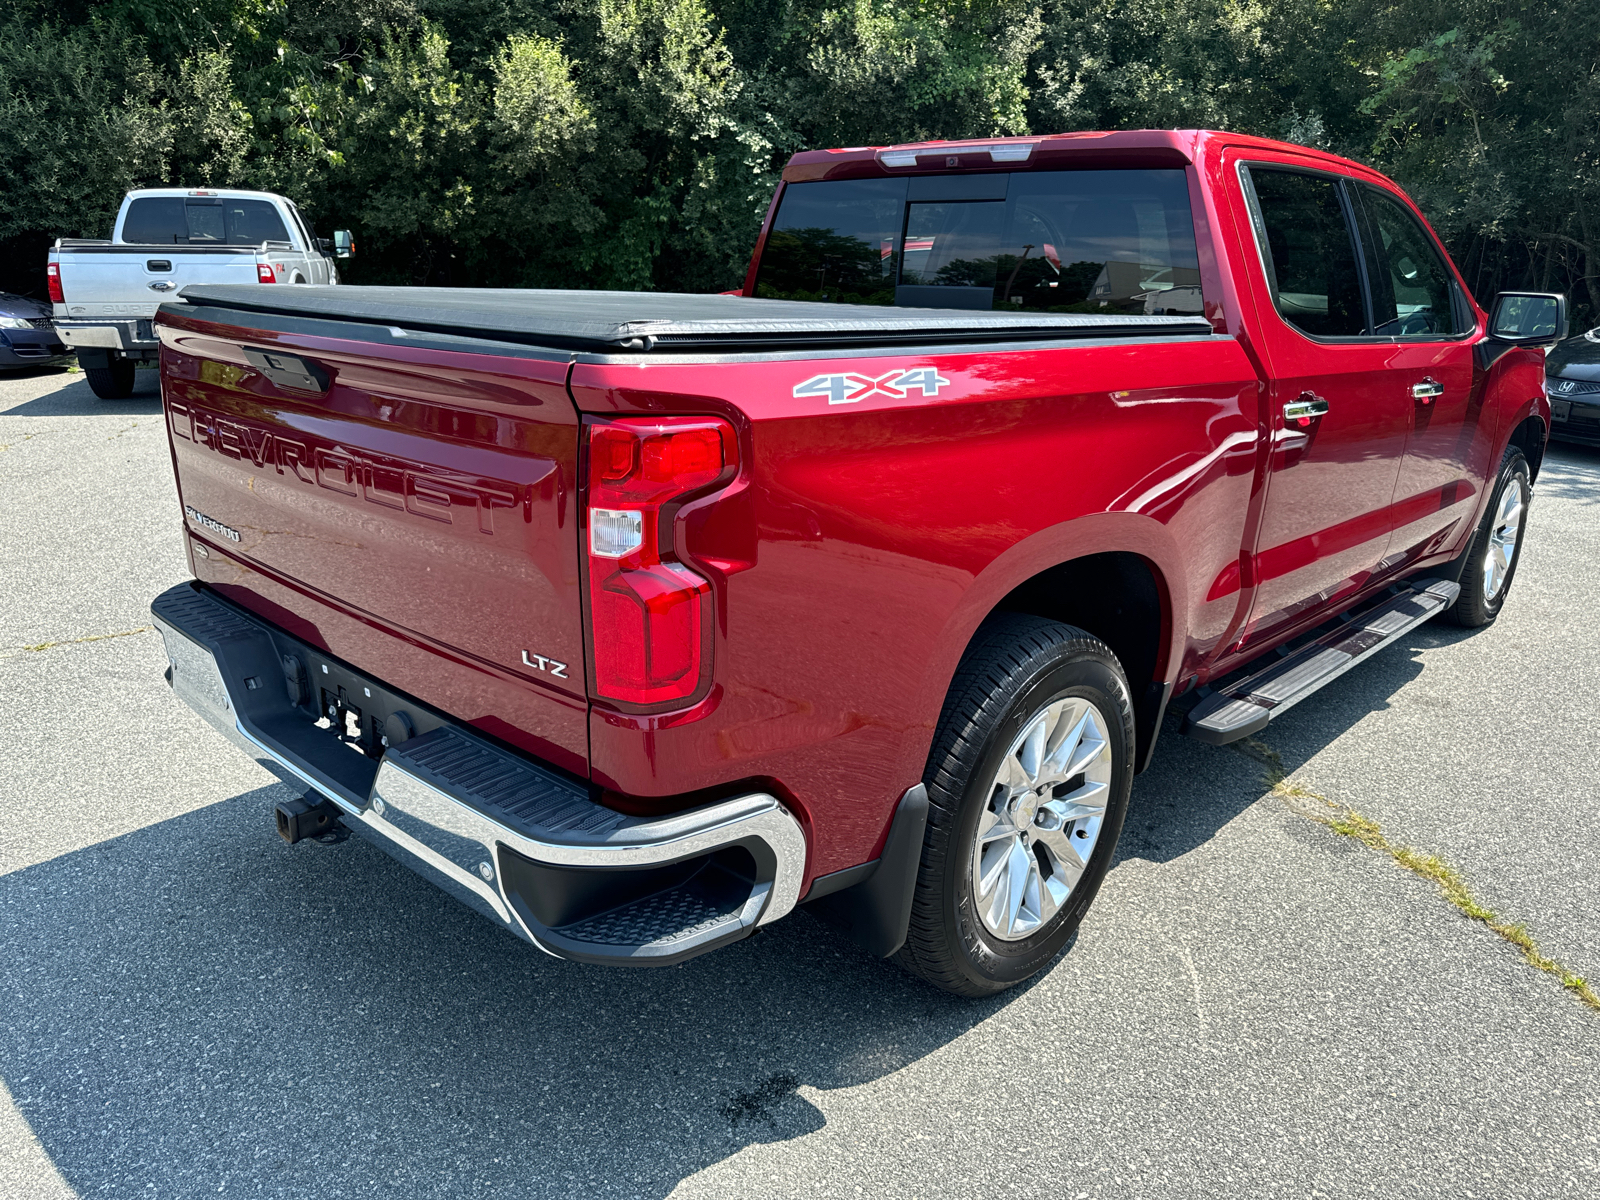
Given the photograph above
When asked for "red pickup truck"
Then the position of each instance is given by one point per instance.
(635, 620)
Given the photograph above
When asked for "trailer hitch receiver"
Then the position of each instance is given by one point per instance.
(310, 816)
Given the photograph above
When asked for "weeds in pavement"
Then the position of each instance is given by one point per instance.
(93, 637)
(1452, 886)
(27, 437)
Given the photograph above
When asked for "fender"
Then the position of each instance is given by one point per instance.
(1515, 382)
(1096, 533)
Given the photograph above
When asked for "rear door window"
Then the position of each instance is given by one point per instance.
(1310, 252)
(1413, 295)
(202, 220)
(1098, 241)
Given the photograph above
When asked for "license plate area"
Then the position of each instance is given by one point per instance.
(1560, 410)
(349, 708)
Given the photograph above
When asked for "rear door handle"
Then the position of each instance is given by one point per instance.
(1427, 390)
(1307, 406)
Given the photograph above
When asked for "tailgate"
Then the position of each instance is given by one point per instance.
(362, 488)
(131, 281)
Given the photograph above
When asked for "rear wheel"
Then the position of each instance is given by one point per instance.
(1491, 558)
(114, 382)
(1028, 782)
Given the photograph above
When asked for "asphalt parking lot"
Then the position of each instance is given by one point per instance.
(1256, 1006)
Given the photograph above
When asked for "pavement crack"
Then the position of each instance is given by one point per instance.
(1194, 982)
(27, 437)
(78, 641)
(1452, 885)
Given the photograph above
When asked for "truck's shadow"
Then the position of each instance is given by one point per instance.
(1192, 790)
(76, 400)
(195, 1008)
(196, 1003)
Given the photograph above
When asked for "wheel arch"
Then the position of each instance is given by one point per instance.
(1530, 435)
(1115, 575)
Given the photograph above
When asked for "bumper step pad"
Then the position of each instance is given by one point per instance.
(655, 910)
(1243, 707)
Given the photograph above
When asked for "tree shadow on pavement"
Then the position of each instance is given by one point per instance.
(1570, 472)
(76, 400)
(197, 1008)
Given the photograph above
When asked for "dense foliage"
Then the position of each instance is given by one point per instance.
(634, 143)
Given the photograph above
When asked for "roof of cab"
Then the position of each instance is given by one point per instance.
(1128, 147)
(231, 193)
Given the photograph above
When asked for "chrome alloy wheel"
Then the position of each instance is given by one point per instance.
(1504, 532)
(1043, 818)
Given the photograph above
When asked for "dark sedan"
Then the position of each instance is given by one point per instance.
(27, 338)
(1572, 376)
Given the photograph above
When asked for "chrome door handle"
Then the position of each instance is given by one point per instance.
(1307, 406)
(1427, 390)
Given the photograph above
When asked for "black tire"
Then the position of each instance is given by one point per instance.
(1016, 667)
(1478, 605)
(114, 382)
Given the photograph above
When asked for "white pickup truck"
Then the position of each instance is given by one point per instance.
(106, 292)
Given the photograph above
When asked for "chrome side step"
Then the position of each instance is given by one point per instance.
(1244, 707)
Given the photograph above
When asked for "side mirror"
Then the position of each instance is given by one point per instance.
(325, 245)
(344, 245)
(1529, 318)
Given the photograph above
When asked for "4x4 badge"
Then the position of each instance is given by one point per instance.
(851, 388)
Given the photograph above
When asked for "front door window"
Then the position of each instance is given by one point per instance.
(1411, 287)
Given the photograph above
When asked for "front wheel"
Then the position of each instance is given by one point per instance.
(1490, 560)
(114, 382)
(1028, 782)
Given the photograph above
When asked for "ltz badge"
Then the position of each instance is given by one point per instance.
(852, 388)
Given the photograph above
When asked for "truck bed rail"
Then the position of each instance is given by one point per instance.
(631, 322)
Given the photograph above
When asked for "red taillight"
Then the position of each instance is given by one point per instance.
(264, 274)
(52, 275)
(649, 615)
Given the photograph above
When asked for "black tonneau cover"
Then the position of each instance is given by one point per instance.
(635, 321)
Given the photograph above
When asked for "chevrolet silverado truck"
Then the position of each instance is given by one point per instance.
(637, 620)
(105, 293)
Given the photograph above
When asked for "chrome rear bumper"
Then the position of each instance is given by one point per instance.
(110, 333)
(521, 843)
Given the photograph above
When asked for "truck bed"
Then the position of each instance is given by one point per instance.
(395, 477)
(630, 322)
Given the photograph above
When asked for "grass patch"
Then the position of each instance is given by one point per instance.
(27, 437)
(93, 637)
(1451, 884)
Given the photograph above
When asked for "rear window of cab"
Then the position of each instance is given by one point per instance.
(202, 220)
(1096, 241)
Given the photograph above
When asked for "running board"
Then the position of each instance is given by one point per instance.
(1245, 706)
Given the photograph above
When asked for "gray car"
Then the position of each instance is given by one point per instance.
(1572, 377)
(27, 338)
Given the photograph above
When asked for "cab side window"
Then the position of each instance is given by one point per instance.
(1311, 256)
(1412, 292)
